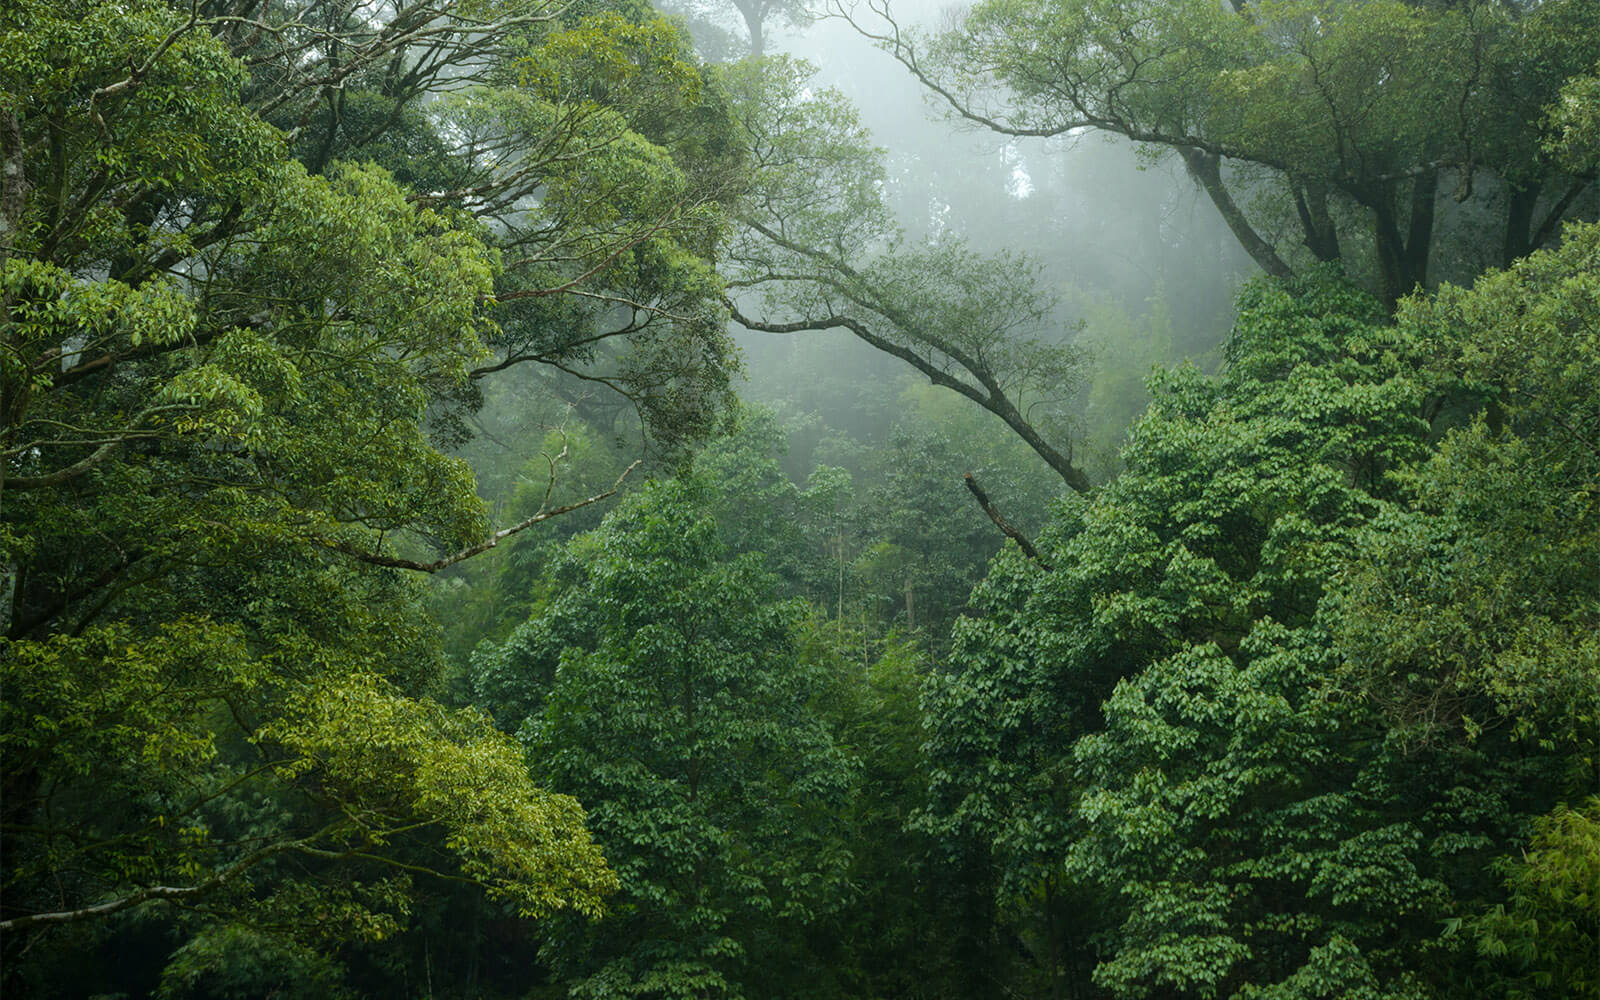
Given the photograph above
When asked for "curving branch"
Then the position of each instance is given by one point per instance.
(161, 892)
(990, 396)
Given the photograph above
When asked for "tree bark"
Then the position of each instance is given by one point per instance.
(1419, 237)
(1000, 522)
(1311, 203)
(1207, 169)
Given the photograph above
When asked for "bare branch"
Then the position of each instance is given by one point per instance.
(1000, 522)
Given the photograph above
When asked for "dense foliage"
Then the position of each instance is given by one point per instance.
(329, 328)
(1273, 707)
(664, 689)
(1408, 141)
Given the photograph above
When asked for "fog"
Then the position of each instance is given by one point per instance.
(1142, 266)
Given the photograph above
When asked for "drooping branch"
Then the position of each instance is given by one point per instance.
(1000, 522)
(378, 559)
(989, 396)
(901, 48)
(956, 317)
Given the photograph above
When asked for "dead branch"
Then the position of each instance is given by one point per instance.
(1006, 526)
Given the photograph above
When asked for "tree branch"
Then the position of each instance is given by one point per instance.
(493, 540)
(155, 892)
(94, 458)
(1006, 526)
(990, 397)
(1206, 167)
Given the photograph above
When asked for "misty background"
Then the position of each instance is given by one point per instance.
(1143, 270)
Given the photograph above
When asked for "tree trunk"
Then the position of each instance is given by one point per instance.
(1419, 238)
(13, 182)
(1390, 247)
(1053, 946)
(751, 11)
(1311, 202)
(1520, 202)
(1402, 257)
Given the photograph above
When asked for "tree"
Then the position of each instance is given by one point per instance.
(1316, 665)
(219, 370)
(1575, 124)
(1231, 512)
(1475, 608)
(706, 20)
(925, 542)
(816, 243)
(663, 688)
(1369, 118)
(1470, 619)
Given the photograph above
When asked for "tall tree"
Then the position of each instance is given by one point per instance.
(1374, 120)
(818, 249)
(230, 361)
(664, 689)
